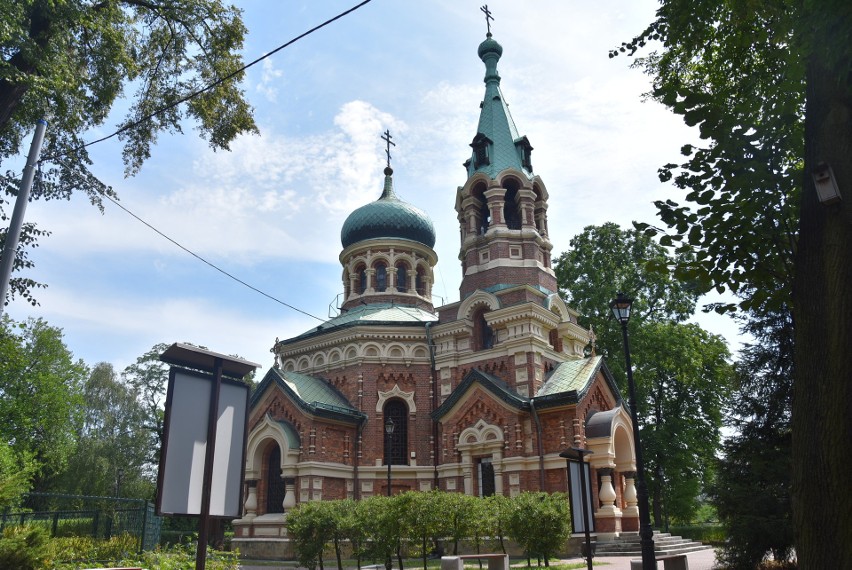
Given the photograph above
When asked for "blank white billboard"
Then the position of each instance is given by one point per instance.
(181, 474)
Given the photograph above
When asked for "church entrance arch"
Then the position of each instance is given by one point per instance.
(486, 481)
(272, 452)
(273, 481)
(481, 447)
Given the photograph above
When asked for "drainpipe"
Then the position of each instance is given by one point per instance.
(540, 445)
(435, 456)
(357, 490)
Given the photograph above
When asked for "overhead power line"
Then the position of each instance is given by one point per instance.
(214, 266)
(184, 100)
(208, 87)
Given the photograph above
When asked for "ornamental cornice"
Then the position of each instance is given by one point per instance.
(503, 262)
(523, 312)
(457, 328)
(392, 247)
(573, 331)
(350, 335)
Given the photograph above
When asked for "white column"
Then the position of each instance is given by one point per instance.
(632, 504)
(607, 494)
(250, 510)
(289, 495)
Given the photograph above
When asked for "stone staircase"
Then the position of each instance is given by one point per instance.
(664, 543)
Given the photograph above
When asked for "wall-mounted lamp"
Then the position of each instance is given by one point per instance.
(826, 185)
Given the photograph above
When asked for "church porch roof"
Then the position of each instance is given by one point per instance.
(314, 395)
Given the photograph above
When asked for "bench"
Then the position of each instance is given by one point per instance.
(670, 562)
(495, 561)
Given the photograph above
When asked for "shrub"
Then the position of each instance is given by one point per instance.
(538, 522)
(23, 547)
(181, 557)
(707, 533)
(88, 549)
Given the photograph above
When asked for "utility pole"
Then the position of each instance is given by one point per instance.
(13, 235)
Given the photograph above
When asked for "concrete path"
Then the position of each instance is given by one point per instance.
(701, 560)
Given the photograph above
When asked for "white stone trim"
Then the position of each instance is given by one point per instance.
(396, 392)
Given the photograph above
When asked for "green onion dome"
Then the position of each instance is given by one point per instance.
(388, 217)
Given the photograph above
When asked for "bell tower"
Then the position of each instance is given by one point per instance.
(502, 208)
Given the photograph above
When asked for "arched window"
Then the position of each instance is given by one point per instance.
(484, 217)
(362, 280)
(274, 482)
(419, 284)
(381, 277)
(510, 207)
(401, 277)
(396, 443)
(483, 335)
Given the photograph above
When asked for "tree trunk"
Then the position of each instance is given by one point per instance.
(822, 311)
(12, 93)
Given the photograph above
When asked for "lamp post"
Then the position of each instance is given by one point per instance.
(620, 307)
(579, 454)
(389, 434)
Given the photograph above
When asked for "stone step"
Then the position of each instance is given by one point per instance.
(664, 543)
(631, 543)
(685, 549)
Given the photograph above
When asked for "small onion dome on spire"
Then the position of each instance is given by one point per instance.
(388, 217)
(489, 46)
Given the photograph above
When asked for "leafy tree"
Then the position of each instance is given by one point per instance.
(112, 451)
(16, 471)
(354, 525)
(383, 532)
(538, 523)
(459, 517)
(423, 518)
(681, 372)
(498, 507)
(74, 59)
(149, 377)
(40, 402)
(683, 378)
(768, 85)
(348, 527)
(310, 526)
(752, 491)
(606, 259)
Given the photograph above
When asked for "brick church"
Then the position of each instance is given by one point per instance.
(478, 396)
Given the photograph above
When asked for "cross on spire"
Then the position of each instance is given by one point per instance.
(386, 136)
(488, 17)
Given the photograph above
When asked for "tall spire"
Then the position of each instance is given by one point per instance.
(497, 145)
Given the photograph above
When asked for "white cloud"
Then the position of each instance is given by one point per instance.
(268, 80)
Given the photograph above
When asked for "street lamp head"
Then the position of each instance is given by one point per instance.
(389, 426)
(620, 307)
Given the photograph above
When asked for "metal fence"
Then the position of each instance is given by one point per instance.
(98, 517)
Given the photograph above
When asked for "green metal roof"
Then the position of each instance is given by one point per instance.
(495, 121)
(491, 383)
(292, 435)
(565, 384)
(388, 217)
(373, 314)
(314, 395)
(574, 375)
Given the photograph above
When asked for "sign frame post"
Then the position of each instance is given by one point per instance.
(175, 481)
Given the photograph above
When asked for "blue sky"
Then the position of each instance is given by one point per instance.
(270, 211)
